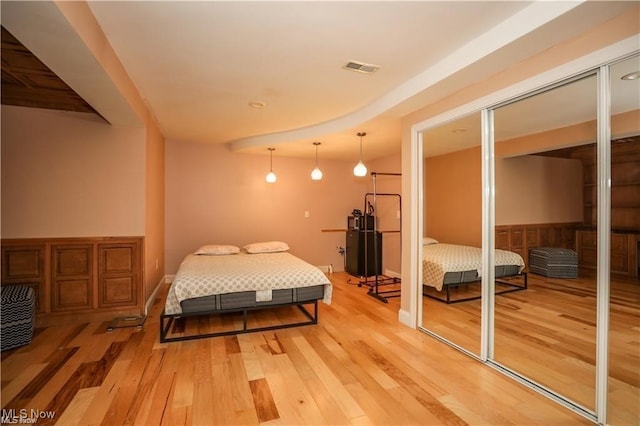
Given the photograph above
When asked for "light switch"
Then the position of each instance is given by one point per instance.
(306, 213)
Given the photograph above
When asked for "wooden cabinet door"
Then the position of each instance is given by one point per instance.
(71, 277)
(24, 265)
(517, 240)
(587, 248)
(118, 274)
(502, 239)
(619, 254)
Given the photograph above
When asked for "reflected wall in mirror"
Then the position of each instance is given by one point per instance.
(547, 333)
(452, 188)
(624, 308)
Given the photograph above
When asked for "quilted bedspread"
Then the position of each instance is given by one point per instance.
(438, 259)
(200, 276)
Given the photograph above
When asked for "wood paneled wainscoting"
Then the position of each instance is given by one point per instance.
(98, 277)
(575, 236)
(624, 250)
(521, 238)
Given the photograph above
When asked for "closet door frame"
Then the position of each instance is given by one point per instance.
(597, 62)
(602, 298)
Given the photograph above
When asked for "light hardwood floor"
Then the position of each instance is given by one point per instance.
(548, 333)
(359, 365)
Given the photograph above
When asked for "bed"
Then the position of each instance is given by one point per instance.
(448, 267)
(218, 281)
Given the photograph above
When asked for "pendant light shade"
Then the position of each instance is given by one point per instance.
(360, 169)
(316, 174)
(271, 177)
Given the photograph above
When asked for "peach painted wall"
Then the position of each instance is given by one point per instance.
(215, 196)
(154, 209)
(536, 189)
(70, 175)
(529, 189)
(82, 20)
(452, 195)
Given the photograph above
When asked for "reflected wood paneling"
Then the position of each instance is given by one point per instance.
(624, 248)
(625, 181)
(521, 238)
(358, 365)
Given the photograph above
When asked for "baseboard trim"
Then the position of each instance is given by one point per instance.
(151, 298)
(405, 318)
(327, 269)
(392, 274)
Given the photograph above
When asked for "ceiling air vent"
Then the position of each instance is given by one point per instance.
(361, 67)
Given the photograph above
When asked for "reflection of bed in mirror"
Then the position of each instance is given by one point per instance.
(452, 273)
(241, 282)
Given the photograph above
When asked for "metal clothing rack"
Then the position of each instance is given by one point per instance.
(379, 280)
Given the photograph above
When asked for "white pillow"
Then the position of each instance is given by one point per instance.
(266, 247)
(217, 249)
(426, 241)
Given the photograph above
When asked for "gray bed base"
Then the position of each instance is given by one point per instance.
(243, 302)
(457, 279)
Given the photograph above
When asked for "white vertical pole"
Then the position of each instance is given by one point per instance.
(603, 162)
(488, 243)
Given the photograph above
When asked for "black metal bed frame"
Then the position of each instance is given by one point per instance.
(448, 301)
(167, 320)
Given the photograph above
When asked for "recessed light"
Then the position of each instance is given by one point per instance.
(257, 104)
(631, 76)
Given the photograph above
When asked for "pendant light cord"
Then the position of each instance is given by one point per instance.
(361, 134)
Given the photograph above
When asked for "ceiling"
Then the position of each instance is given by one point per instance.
(198, 65)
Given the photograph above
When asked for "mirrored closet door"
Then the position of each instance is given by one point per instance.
(624, 309)
(544, 147)
(452, 194)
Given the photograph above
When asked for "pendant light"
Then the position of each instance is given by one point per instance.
(360, 169)
(316, 174)
(271, 177)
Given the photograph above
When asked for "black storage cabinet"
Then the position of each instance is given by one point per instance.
(357, 250)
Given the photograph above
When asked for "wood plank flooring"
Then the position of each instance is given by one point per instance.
(359, 365)
(548, 333)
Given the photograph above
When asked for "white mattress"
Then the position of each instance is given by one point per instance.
(438, 259)
(200, 275)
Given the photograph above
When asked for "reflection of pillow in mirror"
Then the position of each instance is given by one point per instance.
(426, 241)
(217, 249)
(266, 247)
